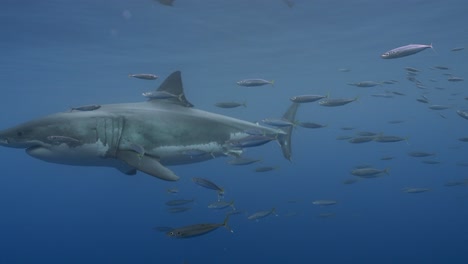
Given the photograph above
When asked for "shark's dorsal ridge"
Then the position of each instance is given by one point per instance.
(173, 85)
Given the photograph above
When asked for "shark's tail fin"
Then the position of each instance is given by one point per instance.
(285, 139)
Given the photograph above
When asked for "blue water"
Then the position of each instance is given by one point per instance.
(58, 54)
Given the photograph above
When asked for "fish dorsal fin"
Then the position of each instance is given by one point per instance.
(173, 85)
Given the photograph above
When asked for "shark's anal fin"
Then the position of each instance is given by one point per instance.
(146, 164)
(285, 139)
(173, 85)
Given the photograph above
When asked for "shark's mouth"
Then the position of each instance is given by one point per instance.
(8, 142)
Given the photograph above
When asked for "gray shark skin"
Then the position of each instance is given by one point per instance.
(166, 129)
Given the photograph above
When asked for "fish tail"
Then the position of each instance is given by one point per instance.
(272, 82)
(406, 140)
(432, 48)
(285, 139)
(273, 211)
(226, 225)
(387, 171)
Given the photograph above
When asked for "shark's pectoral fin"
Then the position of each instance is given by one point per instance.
(147, 164)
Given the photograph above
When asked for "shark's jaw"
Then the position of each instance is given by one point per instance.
(84, 155)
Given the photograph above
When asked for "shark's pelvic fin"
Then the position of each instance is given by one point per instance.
(146, 164)
(173, 85)
(285, 139)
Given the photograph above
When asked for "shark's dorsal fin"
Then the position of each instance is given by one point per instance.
(173, 85)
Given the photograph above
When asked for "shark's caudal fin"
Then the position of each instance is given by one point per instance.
(173, 85)
(285, 139)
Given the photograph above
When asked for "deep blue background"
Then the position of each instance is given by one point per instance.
(58, 54)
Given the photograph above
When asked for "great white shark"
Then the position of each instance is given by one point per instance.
(145, 136)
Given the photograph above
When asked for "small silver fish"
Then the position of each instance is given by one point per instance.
(343, 137)
(250, 141)
(310, 125)
(337, 101)
(324, 202)
(350, 181)
(278, 122)
(422, 100)
(261, 214)
(85, 108)
(365, 84)
(326, 215)
(307, 98)
(254, 82)
(230, 104)
(197, 229)
(405, 51)
(175, 210)
(243, 161)
(172, 190)
(431, 162)
(361, 139)
(159, 95)
(369, 172)
(454, 79)
(366, 133)
(387, 139)
(441, 67)
(382, 95)
(411, 69)
(457, 48)
(456, 183)
(208, 184)
(265, 169)
(463, 114)
(415, 190)
(439, 107)
(420, 154)
(144, 76)
(179, 202)
(221, 205)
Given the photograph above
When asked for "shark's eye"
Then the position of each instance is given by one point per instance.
(19, 133)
